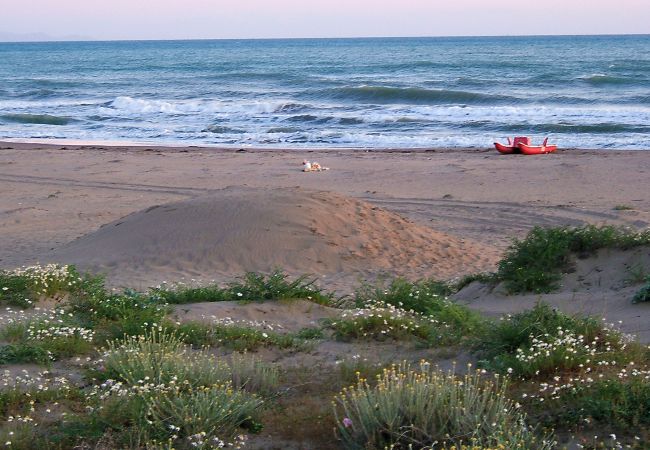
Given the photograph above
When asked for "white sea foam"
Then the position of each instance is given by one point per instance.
(351, 93)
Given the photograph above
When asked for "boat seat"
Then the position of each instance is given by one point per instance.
(521, 140)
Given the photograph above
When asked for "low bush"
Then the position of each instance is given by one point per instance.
(622, 402)
(253, 375)
(643, 294)
(423, 408)
(208, 413)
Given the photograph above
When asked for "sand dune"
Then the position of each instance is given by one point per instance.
(249, 229)
(601, 286)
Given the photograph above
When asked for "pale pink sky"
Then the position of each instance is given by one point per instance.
(179, 19)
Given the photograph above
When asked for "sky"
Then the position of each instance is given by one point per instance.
(216, 19)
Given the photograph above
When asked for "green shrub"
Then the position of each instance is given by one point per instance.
(643, 294)
(253, 287)
(423, 408)
(311, 333)
(115, 315)
(486, 278)
(624, 403)
(24, 286)
(544, 340)
(207, 413)
(424, 297)
(15, 291)
(55, 333)
(380, 322)
(157, 389)
(355, 367)
(535, 264)
(24, 353)
(612, 397)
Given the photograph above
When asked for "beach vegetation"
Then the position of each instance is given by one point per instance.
(637, 274)
(543, 340)
(643, 294)
(238, 335)
(381, 321)
(145, 381)
(426, 298)
(24, 286)
(423, 407)
(114, 315)
(252, 287)
(484, 277)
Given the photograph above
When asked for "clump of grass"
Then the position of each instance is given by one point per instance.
(208, 412)
(24, 353)
(486, 278)
(237, 336)
(542, 340)
(637, 274)
(112, 316)
(623, 402)
(155, 390)
(425, 297)
(253, 375)
(15, 291)
(610, 391)
(535, 264)
(161, 357)
(310, 333)
(424, 407)
(356, 366)
(623, 207)
(379, 321)
(44, 338)
(24, 286)
(643, 294)
(253, 287)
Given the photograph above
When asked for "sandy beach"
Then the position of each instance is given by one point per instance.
(430, 213)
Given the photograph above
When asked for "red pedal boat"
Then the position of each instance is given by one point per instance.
(537, 149)
(522, 144)
(512, 147)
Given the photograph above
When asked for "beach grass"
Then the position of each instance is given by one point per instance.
(252, 287)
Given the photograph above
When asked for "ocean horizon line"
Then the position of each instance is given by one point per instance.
(322, 38)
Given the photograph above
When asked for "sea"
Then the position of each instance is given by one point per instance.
(454, 92)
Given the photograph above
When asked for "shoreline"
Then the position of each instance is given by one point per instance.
(35, 144)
